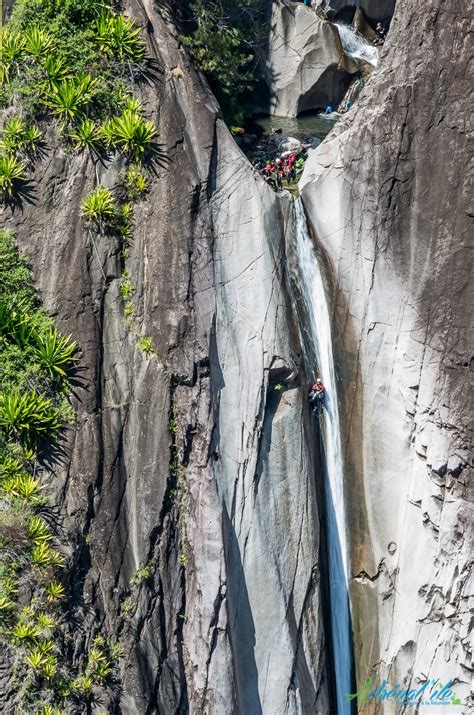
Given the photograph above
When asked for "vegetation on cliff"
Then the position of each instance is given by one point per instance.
(70, 70)
(74, 64)
(37, 365)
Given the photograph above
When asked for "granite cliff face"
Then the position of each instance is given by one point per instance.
(387, 196)
(187, 490)
(305, 67)
(196, 461)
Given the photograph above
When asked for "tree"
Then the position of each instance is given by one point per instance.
(224, 38)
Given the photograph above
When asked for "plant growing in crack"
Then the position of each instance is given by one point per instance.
(145, 345)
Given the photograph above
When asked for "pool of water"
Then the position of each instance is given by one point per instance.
(272, 132)
(304, 128)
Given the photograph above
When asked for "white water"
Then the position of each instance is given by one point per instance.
(312, 289)
(356, 46)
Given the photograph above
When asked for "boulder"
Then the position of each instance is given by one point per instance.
(305, 67)
(375, 10)
(361, 25)
(291, 145)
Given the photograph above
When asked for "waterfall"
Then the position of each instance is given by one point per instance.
(356, 46)
(311, 287)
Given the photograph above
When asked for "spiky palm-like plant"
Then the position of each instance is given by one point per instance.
(25, 632)
(38, 42)
(38, 531)
(12, 47)
(99, 208)
(24, 486)
(55, 69)
(16, 136)
(131, 133)
(55, 352)
(33, 139)
(7, 317)
(12, 175)
(36, 659)
(118, 37)
(10, 467)
(55, 591)
(28, 416)
(13, 135)
(70, 96)
(132, 104)
(7, 606)
(44, 556)
(45, 621)
(86, 135)
(21, 331)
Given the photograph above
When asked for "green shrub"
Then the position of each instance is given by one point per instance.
(126, 287)
(224, 38)
(15, 281)
(12, 175)
(135, 182)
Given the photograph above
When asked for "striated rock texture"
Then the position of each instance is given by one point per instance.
(305, 67)
(196, 461)
(388, 198)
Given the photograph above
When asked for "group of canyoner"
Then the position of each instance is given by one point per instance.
(284, 168)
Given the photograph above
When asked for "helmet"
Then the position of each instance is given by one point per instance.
(318, 380)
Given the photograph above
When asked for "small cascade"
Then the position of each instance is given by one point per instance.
(311, 288)
(355, 46)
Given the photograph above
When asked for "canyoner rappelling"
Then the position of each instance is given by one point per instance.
(316, 396)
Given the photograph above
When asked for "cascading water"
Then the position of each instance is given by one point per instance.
(311, 289)
(356, 46)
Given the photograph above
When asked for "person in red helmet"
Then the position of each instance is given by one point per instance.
(316, 394)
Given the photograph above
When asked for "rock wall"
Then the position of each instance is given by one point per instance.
(387, 196)
(305, 67)
(196, 461)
